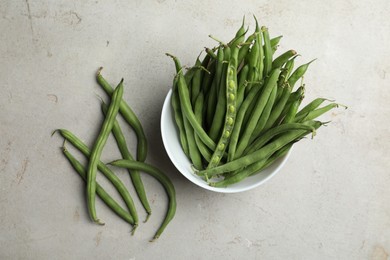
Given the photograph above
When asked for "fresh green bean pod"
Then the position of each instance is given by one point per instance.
(267, 52)
(134, 175)
(274, 43)
(97, 149)
(311, 106)
(264, 115)
(130, 117)
(107, 199)
(205, 152)
(290, 116)
(283, 58)
(196, 83)
(239, 120)
(242, 83)
(187, 109)
(259, 108)
(263, 139)
(256, 156)
(163, 179)
(298, 73)
(243, 52)
(230, 116)
(118, 184)
(316, 113)
(278, 107)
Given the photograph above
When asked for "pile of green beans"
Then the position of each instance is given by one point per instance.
(237, 109)
(89, 171)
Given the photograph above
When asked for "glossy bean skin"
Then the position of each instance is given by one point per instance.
(165, 182)
(97, 149)
(118, 184)
(231, 110)
(259, 108)
(194, 153)
(129, 116)
(107, 199)
(134, 175)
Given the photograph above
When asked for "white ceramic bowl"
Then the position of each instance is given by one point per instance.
(172, 145)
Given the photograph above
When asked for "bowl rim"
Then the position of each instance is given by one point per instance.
(165, 110)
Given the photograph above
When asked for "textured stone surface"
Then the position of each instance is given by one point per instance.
(330, 201)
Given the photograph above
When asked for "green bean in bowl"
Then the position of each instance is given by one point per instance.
(235, 114)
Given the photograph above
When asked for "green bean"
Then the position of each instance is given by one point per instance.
(118, 184)
(213, 94)
(249, 111)
(311, 106)
(278, 107)
(192, 147)
(264, 115)
(298, 94)
(258, 155)
(175, 103)
(242, 53)
(129, 116)
(231, 110)
(283, 58)
(274, 43)
(259, 108)
(196, 81)
(239, 119)
(239, 37)
(220, 110)
(211, 53)
(298, 73)
(261, 140)
(134, 175)
(290, 116)
(198, 114)
(279, 153)
(253, 57)
(165, 182)
(107, 199)
(267, 52)
(187, 110)
(98, 148)
(260, 59)
(316, 113)
(242, 85)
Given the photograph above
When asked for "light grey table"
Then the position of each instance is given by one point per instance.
(330, 201)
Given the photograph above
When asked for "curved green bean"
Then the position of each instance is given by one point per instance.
(163, 179)
(107, 199)
(129, 116)
(134, 175)
(118, 184)
(97, 149)
(259, 108)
